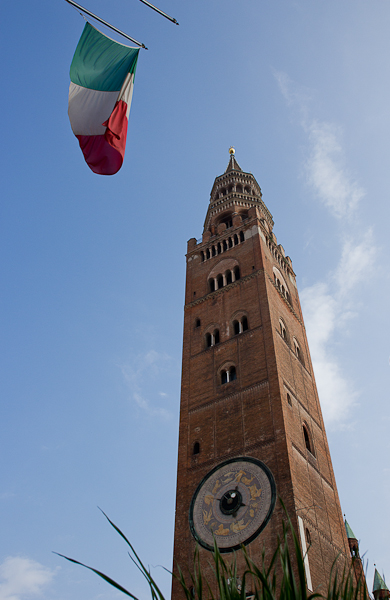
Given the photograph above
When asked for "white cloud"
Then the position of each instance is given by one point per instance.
(326, 308)
(328, 305)
(356, 261)
(325, 167)
(22, 578)
(145, 368)
(326, 171)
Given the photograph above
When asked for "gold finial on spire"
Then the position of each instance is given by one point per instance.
(231, 151)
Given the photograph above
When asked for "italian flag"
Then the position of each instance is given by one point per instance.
(101, 87)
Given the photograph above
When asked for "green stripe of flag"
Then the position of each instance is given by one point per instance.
(100, 63)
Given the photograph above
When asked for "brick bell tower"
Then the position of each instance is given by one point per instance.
(251, 428)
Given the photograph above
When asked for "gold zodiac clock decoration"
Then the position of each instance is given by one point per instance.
(232, 504)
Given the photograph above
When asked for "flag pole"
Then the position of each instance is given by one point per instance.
(87, 12)
(160, 12)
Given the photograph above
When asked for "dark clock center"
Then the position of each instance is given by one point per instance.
(230, 502)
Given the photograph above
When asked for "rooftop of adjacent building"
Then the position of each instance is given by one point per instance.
(350, 533)
(379, 582)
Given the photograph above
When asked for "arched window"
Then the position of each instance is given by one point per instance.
(230, 243)
(297, 351)
(242, 237)
(212, 285)
(219, 248)
(282, 328)
(239, 326)
(280, 282)
(307, 438)
(202, 256)
(228, 275)
(235, 239)
(236, 273)
(220, 281)
(212, 339)
(207, 253)
(196, 449)
(225, 246)
(197, 322)
(228, 375)
(213, 252)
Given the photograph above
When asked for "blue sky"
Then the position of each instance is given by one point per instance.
(93, 267)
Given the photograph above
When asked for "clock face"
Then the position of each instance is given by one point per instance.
(232, 504)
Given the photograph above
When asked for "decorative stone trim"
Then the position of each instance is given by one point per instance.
(229, 397)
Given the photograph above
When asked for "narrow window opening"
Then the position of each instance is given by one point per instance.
(220, 281)
(209, 340)
(235, 239)
(207, 253)
(197, 322)
(308, 443)
(196, 449)
(216, 336)
(228, 277)
(225, 246)
(202, 256)
(308, 536)
(212, 285)
(232, 374)
(236, 273)
(224, 377)
(242, 237)
(236, 327)
(213, 251)
(244, 324)
(219, 248)
(230, 243)
(289, 399)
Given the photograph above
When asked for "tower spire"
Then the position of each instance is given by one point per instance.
(380, 589)
(232, 164)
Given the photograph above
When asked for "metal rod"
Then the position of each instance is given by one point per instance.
(160, 11)
(87, 12)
